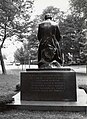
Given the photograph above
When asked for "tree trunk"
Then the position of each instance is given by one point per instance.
(1, 57)
(2, 63)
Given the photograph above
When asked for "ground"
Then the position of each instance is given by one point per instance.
(18, 114)
(8, 83)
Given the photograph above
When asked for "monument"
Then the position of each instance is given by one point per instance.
(51, 86)
(50, 82)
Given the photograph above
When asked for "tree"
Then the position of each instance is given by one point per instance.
(79, 7)
(79, 10)
(74, 38)
(22, 20)
(57, 15)
(23, 25)
(14, 20)
(20, 55)
(7, 12)
(28, 52)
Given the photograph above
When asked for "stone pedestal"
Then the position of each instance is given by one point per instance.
(48, 85)
(79, 106)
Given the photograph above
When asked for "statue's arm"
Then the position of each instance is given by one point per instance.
(58, 36)
(39, 33)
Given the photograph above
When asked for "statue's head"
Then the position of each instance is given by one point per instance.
(48, 16)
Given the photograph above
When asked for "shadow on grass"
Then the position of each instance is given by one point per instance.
(82, 77)
(83, 87)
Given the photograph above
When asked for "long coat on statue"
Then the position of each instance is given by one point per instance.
(49, 37)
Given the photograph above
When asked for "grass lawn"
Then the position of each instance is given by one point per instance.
(7, 89)
(7, 85)
(22, 114)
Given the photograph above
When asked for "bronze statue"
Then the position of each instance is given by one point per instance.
(49, 52)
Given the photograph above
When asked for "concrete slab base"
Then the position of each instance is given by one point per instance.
(80, 105)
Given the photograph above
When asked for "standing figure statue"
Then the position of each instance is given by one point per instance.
(49, 53)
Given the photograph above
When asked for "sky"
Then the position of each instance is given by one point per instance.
(39, 5)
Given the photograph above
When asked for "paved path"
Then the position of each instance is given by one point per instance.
(76, 68)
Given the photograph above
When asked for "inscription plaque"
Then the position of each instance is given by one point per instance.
(47, 85)
(52, 85)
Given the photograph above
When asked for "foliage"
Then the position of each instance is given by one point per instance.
(57, 15)
(27, 52)
(7, 13)
(20, 55)
(79, 7)
(71, 28)
(73, 36)
(79, 11)
(22, 20)
(15, 16)
(26, 29)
